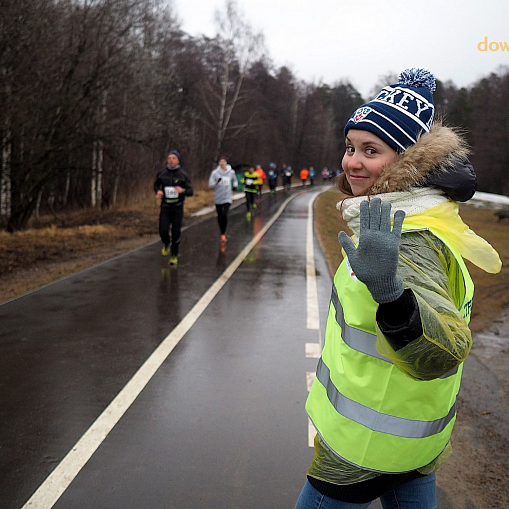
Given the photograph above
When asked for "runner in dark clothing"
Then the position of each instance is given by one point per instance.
(272, 178)
(172, 185)
(287, 178)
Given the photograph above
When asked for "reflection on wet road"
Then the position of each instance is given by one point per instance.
(220, 423)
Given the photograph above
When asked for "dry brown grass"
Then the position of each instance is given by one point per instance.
(491, 290)
(60, 245)
(328, 223)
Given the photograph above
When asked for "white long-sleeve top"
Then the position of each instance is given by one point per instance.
(223, 182)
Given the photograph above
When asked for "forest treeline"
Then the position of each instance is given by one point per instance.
(94, 93)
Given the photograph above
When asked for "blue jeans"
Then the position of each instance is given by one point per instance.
(419, 493)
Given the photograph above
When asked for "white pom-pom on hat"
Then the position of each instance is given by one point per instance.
(417, 78)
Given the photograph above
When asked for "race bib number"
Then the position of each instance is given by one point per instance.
(170, 192)
(225, 182)
(249, 181)
(288, 174)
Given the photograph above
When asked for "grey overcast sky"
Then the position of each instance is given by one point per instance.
(360, 41)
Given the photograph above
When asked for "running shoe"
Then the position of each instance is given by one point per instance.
(173, 260)
(223, 239)
(165, 250)
(248, 216)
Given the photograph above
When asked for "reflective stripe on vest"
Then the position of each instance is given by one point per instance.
(376, 421)
(405, 423)
(360, 340)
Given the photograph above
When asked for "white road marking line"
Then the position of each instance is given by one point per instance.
(58, 481)
(310, 376)
(313, 350)
(313, 317)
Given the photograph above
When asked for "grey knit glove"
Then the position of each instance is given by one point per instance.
(375, 260)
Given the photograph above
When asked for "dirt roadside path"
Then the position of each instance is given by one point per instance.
(477, 476)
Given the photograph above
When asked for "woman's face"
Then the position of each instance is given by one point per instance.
(365, 158)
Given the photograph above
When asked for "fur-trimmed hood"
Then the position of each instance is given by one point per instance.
(438, 159)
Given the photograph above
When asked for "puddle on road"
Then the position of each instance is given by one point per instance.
(494, 341)
(488, 345)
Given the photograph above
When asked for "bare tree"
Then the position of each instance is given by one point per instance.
(64, 68)
(240, 48)
(94, 92)
(387, 79)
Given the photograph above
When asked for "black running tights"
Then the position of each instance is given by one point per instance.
(222, 216)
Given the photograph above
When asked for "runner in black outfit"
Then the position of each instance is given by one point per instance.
(172, 185)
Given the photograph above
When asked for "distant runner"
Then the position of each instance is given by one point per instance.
(312, 175)
(261, 177)
(272, 178)
(287, 178)
(251, 182)
(304, 174)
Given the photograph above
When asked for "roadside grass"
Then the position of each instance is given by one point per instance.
(327, 224)
(491, 290)
(59, 245)
(78, 232)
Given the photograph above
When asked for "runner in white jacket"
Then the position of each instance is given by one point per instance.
(223, 179)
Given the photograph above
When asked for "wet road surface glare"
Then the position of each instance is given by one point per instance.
(219, 422)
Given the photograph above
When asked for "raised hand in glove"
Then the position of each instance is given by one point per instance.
(375, 260)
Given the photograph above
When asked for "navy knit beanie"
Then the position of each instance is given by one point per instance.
(174, 152)
(400, 112)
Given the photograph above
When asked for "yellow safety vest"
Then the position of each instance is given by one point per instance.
(365, 409)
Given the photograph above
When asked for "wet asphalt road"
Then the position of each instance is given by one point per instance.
(221, 424)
